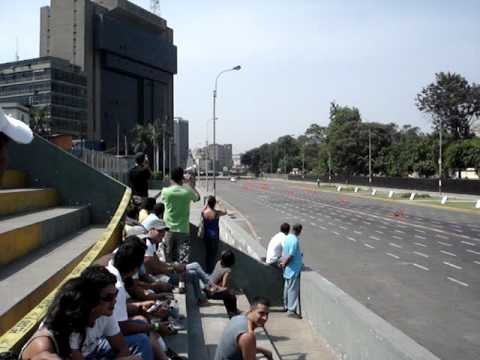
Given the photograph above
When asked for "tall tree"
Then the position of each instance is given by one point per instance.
(452, 102)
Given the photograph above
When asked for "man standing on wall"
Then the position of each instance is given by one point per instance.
(177, 198)
(11, 129)
(139, 175)
(292, 264)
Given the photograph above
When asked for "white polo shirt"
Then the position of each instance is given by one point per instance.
(275, 247)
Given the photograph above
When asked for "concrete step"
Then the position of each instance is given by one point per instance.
(14, 201)
(28, 280)
(21, 234)
(13, 179)
(179, 342)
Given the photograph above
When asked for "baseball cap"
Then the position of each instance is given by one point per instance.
(15, 129)
(157, 224)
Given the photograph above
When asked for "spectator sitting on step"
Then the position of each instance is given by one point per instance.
(132, 225)
(221, 278)
(133, 317)
(146, 208)
(11, 129)
(238, 340)
(155, 214)
(78, 317)
(275, 246)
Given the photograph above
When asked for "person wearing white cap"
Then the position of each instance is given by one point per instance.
(11, 129)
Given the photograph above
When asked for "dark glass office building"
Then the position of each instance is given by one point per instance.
(128, 56)
(50, 83)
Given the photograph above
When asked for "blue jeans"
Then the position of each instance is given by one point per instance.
(291, 291)
(138, 344)
(194, 274)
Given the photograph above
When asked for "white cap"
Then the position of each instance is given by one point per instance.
(15, 129)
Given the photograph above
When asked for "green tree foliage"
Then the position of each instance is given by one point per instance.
(40, 120)
(463, 154)
(452, 101)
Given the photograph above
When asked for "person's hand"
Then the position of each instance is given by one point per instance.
(161, 287)
(161, 312)
(180, 268)
(144, 306)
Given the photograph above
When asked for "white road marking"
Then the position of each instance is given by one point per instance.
(419, 237)
(379, 232)
(421, 254)
(392, 255)
(457, 281)
(374, 238)
(473, 252)
(447, 253)
(357, 232)
(351, 239)
(395, 245)
(420, 244)
(420, 231)
(369, 246)
(397, 237)
(336, 233)
(452, 265)
(313, 224)
(442, 236)
(399, 231)
(477, 262)
(322, 227)
(444, 243)
(467, 243)
(421, 267)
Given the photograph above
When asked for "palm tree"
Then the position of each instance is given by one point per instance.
(40, 120)
(148, 135)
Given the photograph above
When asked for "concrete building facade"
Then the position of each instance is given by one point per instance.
(128, 56)
(50, 84)
(181, 147)
(223, 156)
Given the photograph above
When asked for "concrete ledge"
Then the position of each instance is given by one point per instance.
(16, 336)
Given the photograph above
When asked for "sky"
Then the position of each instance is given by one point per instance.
(296, 56)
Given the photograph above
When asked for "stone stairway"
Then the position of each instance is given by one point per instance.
(40, 242)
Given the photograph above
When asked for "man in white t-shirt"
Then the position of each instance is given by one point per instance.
(275, 246)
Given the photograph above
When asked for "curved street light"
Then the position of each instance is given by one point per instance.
(214, 118)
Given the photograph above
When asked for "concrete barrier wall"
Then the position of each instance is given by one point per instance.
(353, 331)
(47, 165)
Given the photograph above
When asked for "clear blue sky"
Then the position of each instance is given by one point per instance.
(297, 56)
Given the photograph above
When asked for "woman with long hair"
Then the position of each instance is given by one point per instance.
(211, 237)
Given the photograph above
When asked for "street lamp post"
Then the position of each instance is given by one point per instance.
(440, 160)
(214, 118)
(369, 156)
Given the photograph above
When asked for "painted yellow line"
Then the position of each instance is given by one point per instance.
(16, 336)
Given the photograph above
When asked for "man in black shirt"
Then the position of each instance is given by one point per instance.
(139, 175)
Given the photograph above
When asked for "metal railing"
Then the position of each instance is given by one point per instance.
(116, 167)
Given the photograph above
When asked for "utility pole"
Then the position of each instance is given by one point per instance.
(369, 156)
(329, 166)
(440, 160)
(163, 150)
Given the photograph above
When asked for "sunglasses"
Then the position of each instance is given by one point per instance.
(109, 297)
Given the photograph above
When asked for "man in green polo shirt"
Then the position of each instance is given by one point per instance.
(177, 198)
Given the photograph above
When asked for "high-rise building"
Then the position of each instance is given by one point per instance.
(180, 135)
(128, 56)
(223, 156)
(48, 83)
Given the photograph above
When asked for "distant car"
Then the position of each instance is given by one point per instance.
(233, 179)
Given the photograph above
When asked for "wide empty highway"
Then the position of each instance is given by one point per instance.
(417, 267)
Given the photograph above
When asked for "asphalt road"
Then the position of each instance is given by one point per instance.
(416, 267)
